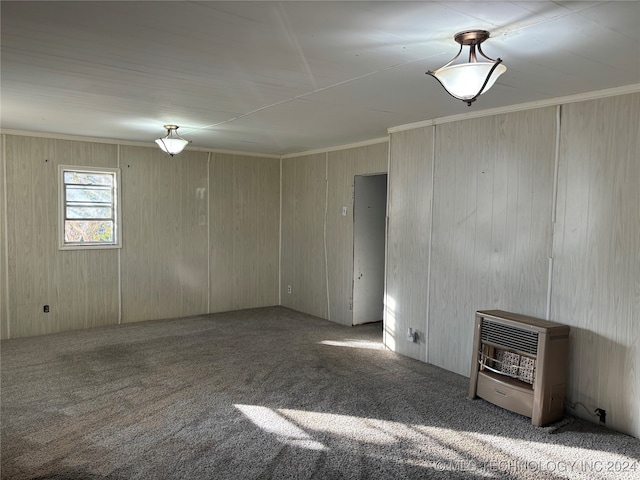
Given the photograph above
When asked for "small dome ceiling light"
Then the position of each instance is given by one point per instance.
(173, 143)
(467, 81)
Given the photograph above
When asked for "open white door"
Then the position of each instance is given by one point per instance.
(369, 237)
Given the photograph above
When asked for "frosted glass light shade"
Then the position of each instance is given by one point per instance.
(172, 146)
(173, 143)
(465, 80)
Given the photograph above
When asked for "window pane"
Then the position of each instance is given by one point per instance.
(89, 194)
(99, 231)
(88, 206)
(87, 178)
(89, 212)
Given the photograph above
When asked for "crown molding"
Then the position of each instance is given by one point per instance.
(579, 97)
(127, 143)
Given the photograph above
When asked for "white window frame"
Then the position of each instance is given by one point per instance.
(62, 204)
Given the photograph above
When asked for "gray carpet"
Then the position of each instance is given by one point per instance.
(268, 394)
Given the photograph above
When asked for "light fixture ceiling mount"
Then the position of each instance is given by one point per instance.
(173, 143)
(467, 81)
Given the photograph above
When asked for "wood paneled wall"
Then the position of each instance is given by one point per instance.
(163, 267)
(596, 251)
(344, 165)
(494, 245)
(493, 199)
(164, 237)
(244, 231)
(408, 239)
(317, 240)
(81, 287)
(304, 193)
(4, 318)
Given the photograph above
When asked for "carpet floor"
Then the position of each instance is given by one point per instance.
(268, 393)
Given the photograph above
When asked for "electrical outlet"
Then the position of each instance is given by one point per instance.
(601, 412)
(45, 309)
(412, 335)
(288, 288)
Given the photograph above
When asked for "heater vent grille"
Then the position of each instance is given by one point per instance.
(509, 337)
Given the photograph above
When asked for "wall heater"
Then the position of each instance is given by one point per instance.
(520, 363)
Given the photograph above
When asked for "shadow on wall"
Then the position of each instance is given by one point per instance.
(599, 377)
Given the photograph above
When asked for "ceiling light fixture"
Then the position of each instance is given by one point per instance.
(467, 81)
(173, 143)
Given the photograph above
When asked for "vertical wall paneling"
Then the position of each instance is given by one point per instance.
(316, 238)
(343, 166)
(81, 286)
(119, 257)
(280, 239)
(303, 205)
(553, 208)
(164, 274)
(387, 339)
(409, 231)
(324, 239)
(596, 250)
(244, 231)
(222, 233)
(4, 251)
(163, 268)
(491, 225)
(428, 299)
(209, 232)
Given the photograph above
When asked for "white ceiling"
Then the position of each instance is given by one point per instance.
(284, 77)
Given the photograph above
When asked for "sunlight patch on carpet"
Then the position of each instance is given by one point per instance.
(369, 430)
(354, 344)
(272, 422)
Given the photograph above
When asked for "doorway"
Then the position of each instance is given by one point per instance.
(369, 241)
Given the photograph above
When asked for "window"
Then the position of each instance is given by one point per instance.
(89, 207)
